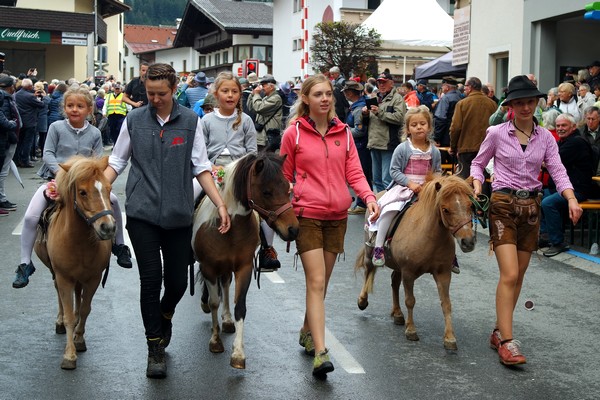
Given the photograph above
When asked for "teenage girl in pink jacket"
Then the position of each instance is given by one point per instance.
(321, 160)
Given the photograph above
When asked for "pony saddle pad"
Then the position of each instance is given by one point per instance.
(44, 222)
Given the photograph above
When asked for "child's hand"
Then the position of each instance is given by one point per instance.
(415, 187)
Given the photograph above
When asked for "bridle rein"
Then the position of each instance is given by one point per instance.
(94, 217)
(268, 215)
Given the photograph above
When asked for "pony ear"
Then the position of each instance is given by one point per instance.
(438, 186)
(283, 157)
(260, 164)
(65, 167)
(469, 181)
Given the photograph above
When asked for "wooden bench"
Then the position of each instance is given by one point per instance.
(591, 209)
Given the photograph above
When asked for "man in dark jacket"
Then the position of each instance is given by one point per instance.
(29, 106)
(359, 125)
(9, 125)
(341, 104)
(576, 155)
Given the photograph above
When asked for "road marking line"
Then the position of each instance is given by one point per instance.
(343, 356)
(274, 277)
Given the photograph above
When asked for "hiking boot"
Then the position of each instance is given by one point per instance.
(322, 364)
(495, 339)
(510, 353)
(306, 341)
(8, 206)
(123, 254)
(455, 266)
(357, 210)
(267, 259)
(378, 259)
(24, 271)
(167, 330)
(157, 364)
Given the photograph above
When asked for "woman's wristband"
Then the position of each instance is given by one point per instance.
(222, 205)
(571, 198)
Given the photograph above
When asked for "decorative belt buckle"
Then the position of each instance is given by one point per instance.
(522, 194)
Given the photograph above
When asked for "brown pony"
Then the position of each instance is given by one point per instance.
(252, 183)
(77, 246)
(423, 243)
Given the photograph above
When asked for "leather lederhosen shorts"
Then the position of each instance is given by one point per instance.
(515, 220)
(317, 234)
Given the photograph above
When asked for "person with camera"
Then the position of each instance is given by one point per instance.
(268, 109)
(29, 106)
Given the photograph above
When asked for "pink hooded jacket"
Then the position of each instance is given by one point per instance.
(321, 167)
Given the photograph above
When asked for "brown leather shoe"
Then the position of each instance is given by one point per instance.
(495, 339)
(510, 353)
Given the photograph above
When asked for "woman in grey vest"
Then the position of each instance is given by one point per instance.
(166, 146)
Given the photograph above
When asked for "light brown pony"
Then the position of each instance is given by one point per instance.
(423, 243)
(77, 246)
(252, 184)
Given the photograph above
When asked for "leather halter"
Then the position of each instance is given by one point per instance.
(93, 218)
(268, 215)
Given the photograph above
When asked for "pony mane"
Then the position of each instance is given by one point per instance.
(77, 168)
(235, 186)
(435, 191)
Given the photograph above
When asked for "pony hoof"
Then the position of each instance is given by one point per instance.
(399, 320)
(216, 346)
(450, 345)
(412, 336)
(205, 307)
(363, 304)
(239, 363)
(228, 327)
(60, 329)
(80, 346)
(68, 364)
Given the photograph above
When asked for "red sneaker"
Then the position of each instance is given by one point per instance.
(495, 339)
(510, 354)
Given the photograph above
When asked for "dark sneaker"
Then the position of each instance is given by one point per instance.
(510, 353)
(24, 271)
(157, 364)
(455, 266)
(267, 259)
(8, 206)
(322, 364)
(495, 339)
(543, 242)
(121, 251)
(378, 258)
(306, 341)
(3, 213)
(556, 249)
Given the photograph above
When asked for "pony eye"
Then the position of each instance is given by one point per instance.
(267, 194)
(445, 211)
(82, 193)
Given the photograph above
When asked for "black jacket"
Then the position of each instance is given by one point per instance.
(577, 157)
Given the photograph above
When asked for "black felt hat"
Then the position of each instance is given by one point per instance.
(521, 87)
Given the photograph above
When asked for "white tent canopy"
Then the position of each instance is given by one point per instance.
(412, 23)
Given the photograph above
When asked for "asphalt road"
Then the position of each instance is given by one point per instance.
(372, 357)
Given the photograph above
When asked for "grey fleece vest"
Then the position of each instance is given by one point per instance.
(159, 186)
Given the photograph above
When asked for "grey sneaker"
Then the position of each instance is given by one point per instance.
(24, 271)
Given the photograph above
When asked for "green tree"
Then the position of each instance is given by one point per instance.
(349, 46)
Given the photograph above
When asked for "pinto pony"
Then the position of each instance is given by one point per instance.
(77, 246)
(424, 243)
(252, 185)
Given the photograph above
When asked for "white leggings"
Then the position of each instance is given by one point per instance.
(384, 223)
(36, 207)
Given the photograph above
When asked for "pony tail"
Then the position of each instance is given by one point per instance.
(238, 120)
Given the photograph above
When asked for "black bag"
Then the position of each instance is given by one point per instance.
(273, 139)
(259, 127)
(12, 137)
